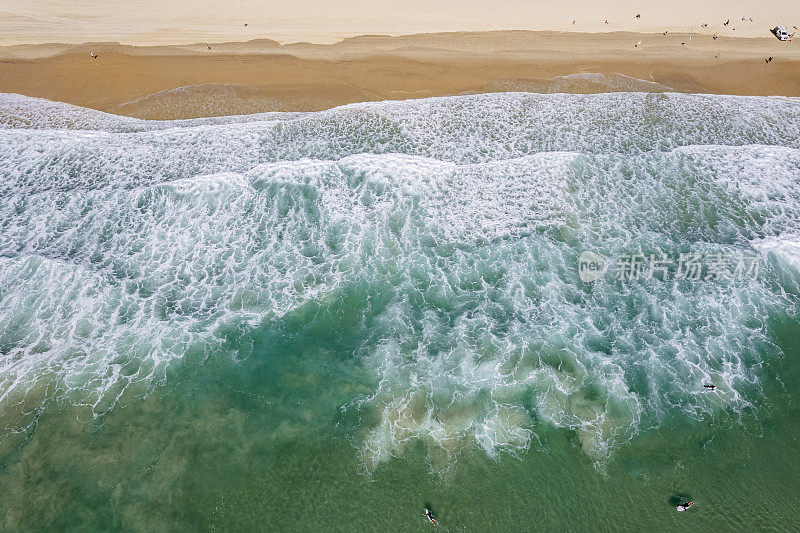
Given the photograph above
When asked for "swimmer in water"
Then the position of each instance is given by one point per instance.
(684, 506)
(430, 518)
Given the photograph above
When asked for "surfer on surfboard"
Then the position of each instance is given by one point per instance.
(430, 517)
(684, 506)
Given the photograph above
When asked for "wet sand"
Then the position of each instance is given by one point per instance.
(162, 82)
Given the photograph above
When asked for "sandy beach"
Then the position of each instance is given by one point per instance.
(185, 81)
(149, 22)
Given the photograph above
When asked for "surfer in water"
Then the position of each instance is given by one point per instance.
(712, 387)
(430, 517)
(684, 506)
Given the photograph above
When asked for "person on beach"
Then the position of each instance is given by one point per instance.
(684, 506)
(430, 518)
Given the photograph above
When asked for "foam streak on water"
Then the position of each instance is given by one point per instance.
(127, 244)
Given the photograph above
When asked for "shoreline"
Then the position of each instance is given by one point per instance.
(189, 81)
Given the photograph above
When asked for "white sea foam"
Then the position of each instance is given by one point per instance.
(787, 247)
(125, 245)
(24, 112)
(784, 250)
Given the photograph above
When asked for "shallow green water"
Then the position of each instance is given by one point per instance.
(218, 450)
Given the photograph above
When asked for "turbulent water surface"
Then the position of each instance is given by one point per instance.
(334, 319)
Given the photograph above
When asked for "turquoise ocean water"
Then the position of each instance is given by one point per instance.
(332, 320)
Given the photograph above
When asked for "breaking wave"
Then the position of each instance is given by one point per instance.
(127, 244)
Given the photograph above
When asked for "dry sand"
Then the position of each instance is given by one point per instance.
(190, 80)
(147, 22)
